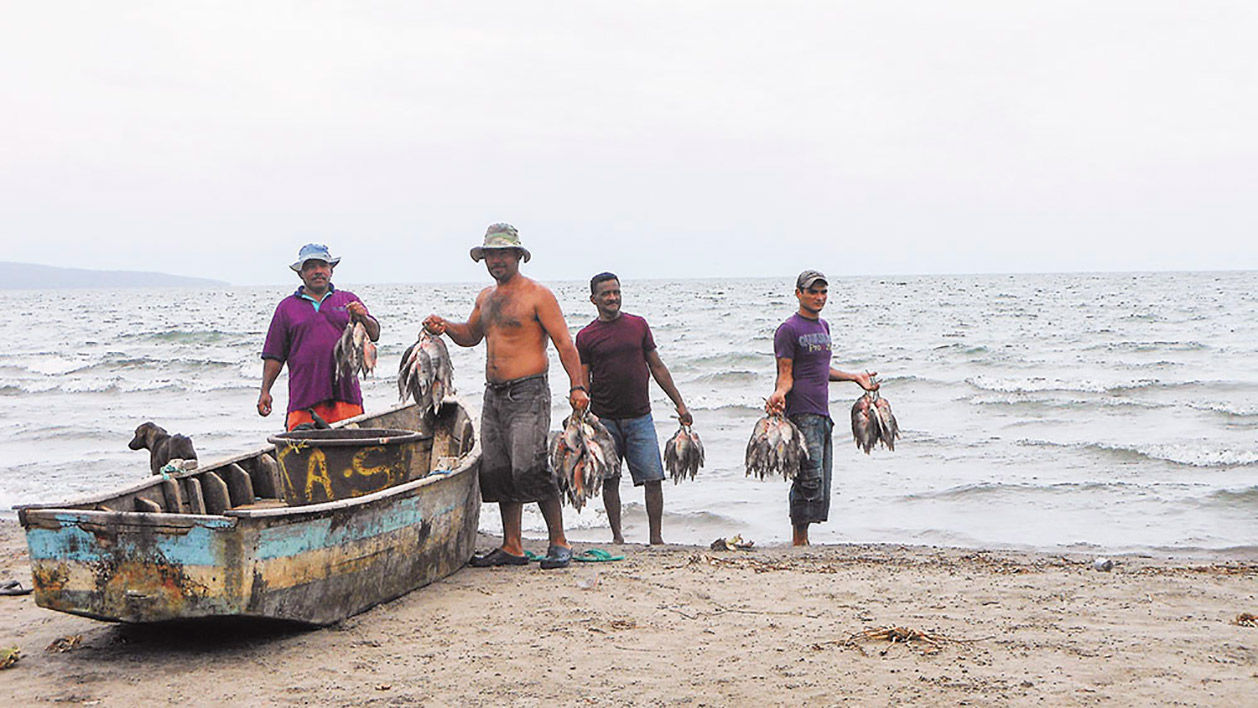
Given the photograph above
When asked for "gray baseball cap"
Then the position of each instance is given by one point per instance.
(808, 277)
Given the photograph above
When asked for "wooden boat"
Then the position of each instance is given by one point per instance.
(229, 540)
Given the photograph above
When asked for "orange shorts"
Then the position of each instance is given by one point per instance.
(330, 411)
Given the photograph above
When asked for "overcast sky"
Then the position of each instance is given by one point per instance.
(656, 139)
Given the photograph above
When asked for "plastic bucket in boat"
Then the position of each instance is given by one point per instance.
(342, 463)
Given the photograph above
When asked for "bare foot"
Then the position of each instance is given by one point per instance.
(799, 535)
(657, 541)
(618, 540)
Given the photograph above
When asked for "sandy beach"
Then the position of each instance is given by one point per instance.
(693, 626)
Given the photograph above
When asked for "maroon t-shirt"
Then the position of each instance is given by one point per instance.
(616, 354)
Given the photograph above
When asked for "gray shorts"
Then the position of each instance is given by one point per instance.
(514, 422)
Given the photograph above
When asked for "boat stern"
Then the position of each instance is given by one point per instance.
(133, 567)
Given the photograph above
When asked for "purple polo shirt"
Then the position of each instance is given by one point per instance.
(807, 344)
(616, 354)
(304, 337)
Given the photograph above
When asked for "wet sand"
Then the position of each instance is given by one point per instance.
(692, 626)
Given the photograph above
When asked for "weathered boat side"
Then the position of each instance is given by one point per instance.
(219, 541)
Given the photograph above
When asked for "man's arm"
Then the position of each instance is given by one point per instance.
(662, 377)
(585, 376)
(551, 319)
(865, 380)
(785, 381)
(270, 372)
(464, 334)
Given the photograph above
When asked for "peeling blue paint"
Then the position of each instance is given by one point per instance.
(71, 543)
(296, 539)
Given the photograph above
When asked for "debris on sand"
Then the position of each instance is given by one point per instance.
(64, 644)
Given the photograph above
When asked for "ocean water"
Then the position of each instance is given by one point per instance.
(1086, 412)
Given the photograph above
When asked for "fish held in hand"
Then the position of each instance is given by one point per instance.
(683, 454)
(873, 422)
(425, 373)
(353, 353)
(776, 447)
(582, 455)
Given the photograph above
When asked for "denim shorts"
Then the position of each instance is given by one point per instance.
(638, 447)
(810, 492)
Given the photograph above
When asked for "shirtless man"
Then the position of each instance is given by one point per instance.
(515, 316)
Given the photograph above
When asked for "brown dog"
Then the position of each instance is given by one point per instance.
(162, 446)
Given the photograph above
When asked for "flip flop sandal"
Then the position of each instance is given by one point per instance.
(596, 555)
(13, 587)
(534, 556)
(496, 558)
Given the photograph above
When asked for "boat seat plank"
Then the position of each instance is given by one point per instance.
(239, 485)
(262, 503)
(214, 490)
(266, 476)
(174, 500)
(147, 505)
(192, 490)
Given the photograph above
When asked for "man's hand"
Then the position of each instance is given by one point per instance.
(866, 380)
(264, 404)
(357, 311)
(684, 414)
(776, 403)
(434, 324)
(579, 399)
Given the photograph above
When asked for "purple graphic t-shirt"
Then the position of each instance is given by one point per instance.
(303, 336)
(807, 344)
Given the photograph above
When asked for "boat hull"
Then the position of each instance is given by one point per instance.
(314, 564)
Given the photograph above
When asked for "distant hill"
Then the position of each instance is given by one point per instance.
(29, 276)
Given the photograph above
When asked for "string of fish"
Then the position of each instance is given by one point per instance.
(683, 454)
(776, 447)
(425, 373)
(581, 456)
(353, 353)
(873, 422)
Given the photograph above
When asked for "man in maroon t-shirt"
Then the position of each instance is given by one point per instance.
(617, 352)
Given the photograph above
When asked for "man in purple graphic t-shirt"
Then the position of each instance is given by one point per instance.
(802, 348)
(303, 333)
(618, 358)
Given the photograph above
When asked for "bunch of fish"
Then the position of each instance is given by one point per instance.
(873, 423)
(425, 372)
(776, 447)
(581, 455)
(354, 352)
(683, 454)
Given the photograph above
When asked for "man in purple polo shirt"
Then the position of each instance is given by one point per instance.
(617, 352)
(303, 333)
(802, 348)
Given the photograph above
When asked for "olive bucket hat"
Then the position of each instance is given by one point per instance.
(499, 236)
(314, 252)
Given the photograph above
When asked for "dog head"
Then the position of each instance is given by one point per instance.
(145, 435)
